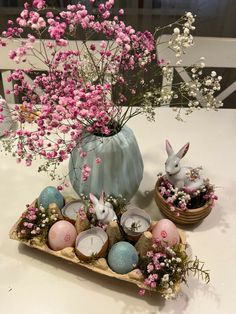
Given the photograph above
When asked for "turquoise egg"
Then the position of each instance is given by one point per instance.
(122, 257)
(50, 195)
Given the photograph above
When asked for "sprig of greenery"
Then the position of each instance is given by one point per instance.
(197, 268)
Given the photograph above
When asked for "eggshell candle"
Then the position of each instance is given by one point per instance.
(62, 234)
(166, 231)
(50, 195)
(91, 242)
(122, 257)
(70, 210)
(135, 221)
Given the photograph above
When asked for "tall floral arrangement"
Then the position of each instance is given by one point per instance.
(86, 83)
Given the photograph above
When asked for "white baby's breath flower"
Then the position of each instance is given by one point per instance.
(189, 15)
(208, 82)
(165, 278)
(213, 74)
(176, 30)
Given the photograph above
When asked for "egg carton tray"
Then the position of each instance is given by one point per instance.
(99, 265)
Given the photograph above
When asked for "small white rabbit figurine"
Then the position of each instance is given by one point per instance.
(186, 178)
(104, 210)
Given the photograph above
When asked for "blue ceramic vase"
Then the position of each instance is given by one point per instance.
(120, 171)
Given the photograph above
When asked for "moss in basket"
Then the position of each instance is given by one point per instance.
(35, 222)
(164, 268)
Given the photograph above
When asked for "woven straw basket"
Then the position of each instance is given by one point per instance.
(188, 217)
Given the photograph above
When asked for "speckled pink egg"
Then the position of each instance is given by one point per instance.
(166, 231)
(62, 234)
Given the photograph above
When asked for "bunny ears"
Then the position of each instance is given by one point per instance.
(181, 153)
(95, 200)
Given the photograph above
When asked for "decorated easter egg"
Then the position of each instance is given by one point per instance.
(122, 257)
(62, 234)
(166, 231)
(50, 195)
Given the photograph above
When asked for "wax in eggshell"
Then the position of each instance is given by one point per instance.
(62, 234)
(50, 195)
(166, 231)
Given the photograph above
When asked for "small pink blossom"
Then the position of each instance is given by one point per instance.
(39, 4)
(83, 154)
(98, 160)
(150, 267)
(82, 213)
(85, 172)
(141, 292)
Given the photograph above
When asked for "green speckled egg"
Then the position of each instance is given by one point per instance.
(122, 257)
(50, 195)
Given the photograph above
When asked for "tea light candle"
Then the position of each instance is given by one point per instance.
(91, 242)
(135, 221)
(71, 209)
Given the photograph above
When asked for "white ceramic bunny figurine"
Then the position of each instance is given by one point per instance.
(104, 210)
(186, 178)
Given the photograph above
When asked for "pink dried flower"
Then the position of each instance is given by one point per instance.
(85, 172)
(98, 160)
(39, 4)
(77, 82)
(83, 154)
(82, 213)
(150, 267)
(142, 292)
(91, 210)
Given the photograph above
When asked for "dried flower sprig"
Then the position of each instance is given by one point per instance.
(183, 200)
(83, 88)
(35, 222)
(164, 269)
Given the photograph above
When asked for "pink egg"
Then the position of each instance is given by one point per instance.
(62, 234)
(166, 231)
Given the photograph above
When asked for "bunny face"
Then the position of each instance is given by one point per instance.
(104, 210)
(172, 165)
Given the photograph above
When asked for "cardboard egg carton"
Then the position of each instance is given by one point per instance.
(99, 265)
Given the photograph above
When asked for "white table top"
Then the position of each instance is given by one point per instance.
(35, 283)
